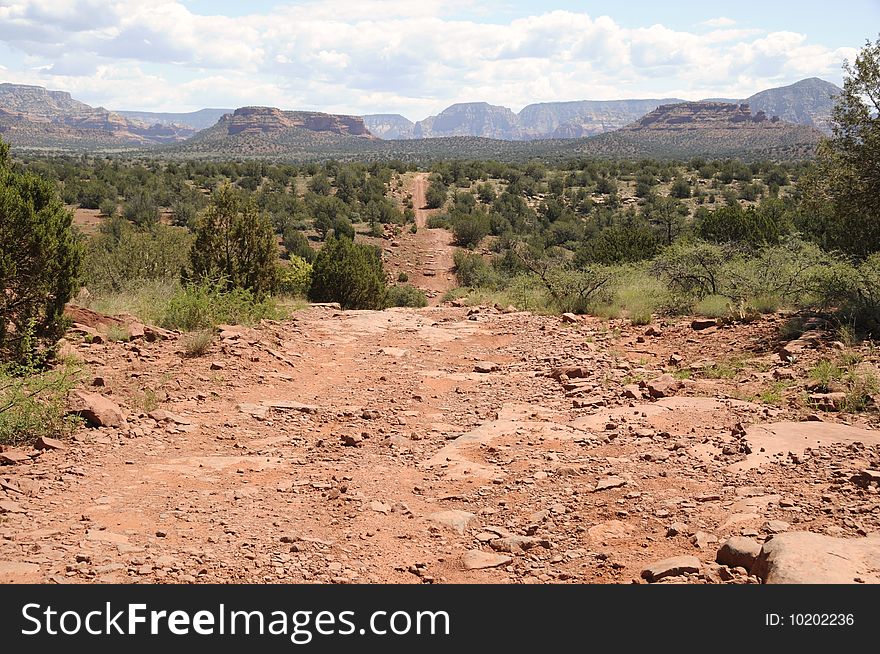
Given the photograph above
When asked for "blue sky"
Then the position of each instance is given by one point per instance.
(415, 58)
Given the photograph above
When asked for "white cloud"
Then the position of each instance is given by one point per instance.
(370, 56)
(722, 21)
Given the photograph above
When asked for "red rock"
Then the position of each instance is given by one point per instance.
(46, 443)
(11, 457)
(703, 323)
(663, 386)
(97, 410)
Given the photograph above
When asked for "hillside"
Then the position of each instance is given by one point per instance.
(707, 129)
(471, 119)
(808, 102)
(201, 119)
(674, 131)
(33, 116)
(389, 126)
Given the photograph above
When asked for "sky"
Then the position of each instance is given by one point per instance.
(416, 57)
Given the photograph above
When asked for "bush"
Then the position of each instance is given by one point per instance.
(406, 296)
(854, 288)
(439, 222)
(122, 256)
(235, 245)
(402, 277)
(435, 197)
(197, 343)
(33, 402)
(473, 270)
(295, 278)
(349, 273)
(297, 244)
(342, 228)
(141, 209)
(470, 228)
(40, 261)
(203, 306)
(108, 207)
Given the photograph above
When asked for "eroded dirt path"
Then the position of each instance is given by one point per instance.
(426, 256)
(366, 447)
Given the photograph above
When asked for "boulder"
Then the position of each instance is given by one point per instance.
(663, 386)
(738, 551)
(97, 410)
(802, 557)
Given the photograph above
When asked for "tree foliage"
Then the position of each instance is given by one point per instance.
(40, 261)
(349, 273)
(843, 196)
(235, 245)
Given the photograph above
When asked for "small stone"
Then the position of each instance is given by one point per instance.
(486, 367)
(570, 318)
(609, 482)
(454, 519)
(352, 440)
(46, 443)
(672, 567)
(217, 365)
(379, 507)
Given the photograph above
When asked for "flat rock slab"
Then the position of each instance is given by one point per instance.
(665, 407)
(106, 536)
(672, 567)
(290, 405)
(479, 560)
(513, 419)
(12, 568)
(607, 483)
(802, 557)
(784, 437)
(454, 519)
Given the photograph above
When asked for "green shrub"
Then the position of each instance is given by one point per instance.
(108, 207)
(203, 306)
(402, 277)
(713, 306)
(197, 344)
(295, 278)
(297, 244)
(473, 270)
(349, 273)
(40, 261)
(436, 195)
(141, 209)
(342, 228)
(855, 289)
(120, 256)
(470, 228)
(33, 402)
(234, 245)
(406, 296)
(439, 222)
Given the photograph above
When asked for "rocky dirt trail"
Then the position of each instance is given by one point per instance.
(442, 445)
(426, 256)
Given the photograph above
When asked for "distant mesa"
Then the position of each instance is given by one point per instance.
(268, 120)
